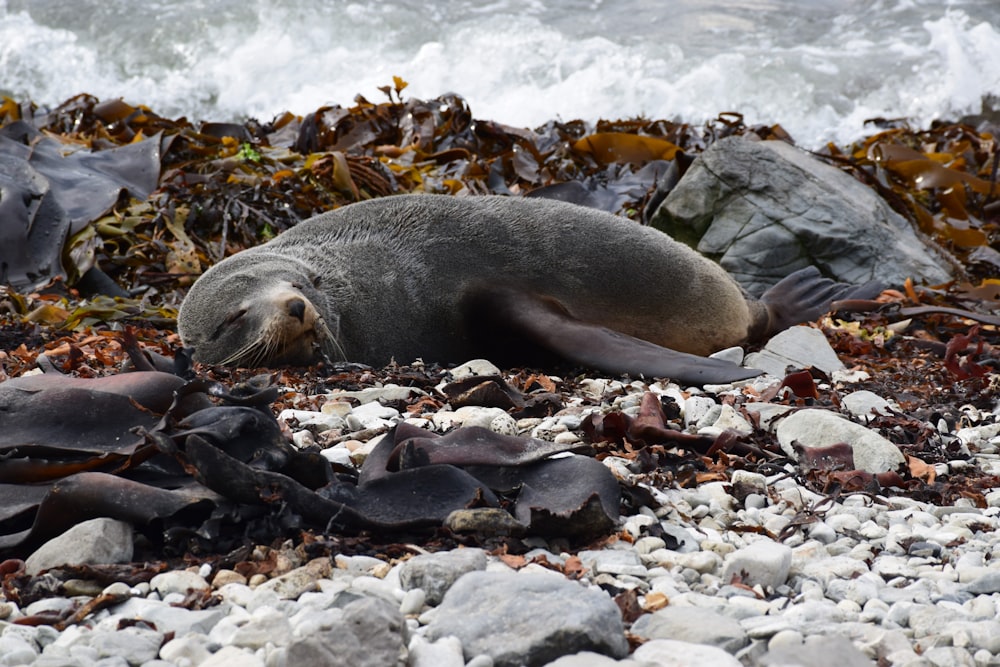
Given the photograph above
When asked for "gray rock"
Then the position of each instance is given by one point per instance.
(798, 347)
(764, 209)
(821, 428)
(831, 651)
(372, 633)
(762, 562)
(435, 573)
(672, 653)
(94, 542)
(694, 625)
(528, 619)
(985, 584)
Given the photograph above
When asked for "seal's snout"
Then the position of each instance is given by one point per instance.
(297, 308)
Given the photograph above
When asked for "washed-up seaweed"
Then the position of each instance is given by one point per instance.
(147, 447)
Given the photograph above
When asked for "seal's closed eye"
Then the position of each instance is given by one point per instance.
(230, 319)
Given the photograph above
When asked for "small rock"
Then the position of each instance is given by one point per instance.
(137, 645)
(223, 577)
(93, 542)
(291, 585)
(763, 563)
(445, 652)
(474, 367)
(435, 573)
(728, 420)
(178, 581)
(491, 521)
(798, 347)
(673, 653)
(692, 625)
(861, 404)
(232, 656)
(267, 625)
(816, 651)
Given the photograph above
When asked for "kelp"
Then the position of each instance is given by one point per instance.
(226, 186)
(150, 447)
(943, 179)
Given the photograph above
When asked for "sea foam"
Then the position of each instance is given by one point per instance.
(819, 75)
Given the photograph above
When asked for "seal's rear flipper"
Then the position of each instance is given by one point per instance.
(545, 323)
(804, 296)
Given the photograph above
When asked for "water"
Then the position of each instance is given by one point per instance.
(818, 67)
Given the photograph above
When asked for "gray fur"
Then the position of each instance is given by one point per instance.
(393, 273)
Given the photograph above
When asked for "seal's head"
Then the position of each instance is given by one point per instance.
(255, 310)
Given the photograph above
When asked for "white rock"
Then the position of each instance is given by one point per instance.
(316, 422)
(494, 419)
(862, 403)
(733, 355)
(338, 402)
(695, 409)
(445, 652)
(749, 480)
(672, 653)
(799, 347)
(178, 581)
(337, 454)
(474, 367)
(822, 428)
(232, 656)
(762, 562)
(728, 420)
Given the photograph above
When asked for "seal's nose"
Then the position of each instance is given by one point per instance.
(297, 309)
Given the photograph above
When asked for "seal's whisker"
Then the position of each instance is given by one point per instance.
(329, 340)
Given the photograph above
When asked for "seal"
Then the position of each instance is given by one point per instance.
(519, 280)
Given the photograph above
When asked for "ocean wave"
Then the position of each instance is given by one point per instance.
(222, 59)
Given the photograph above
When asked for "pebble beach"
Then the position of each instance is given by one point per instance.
(755, 568)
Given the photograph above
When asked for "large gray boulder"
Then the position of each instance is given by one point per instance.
(764, 209)
(528, 619)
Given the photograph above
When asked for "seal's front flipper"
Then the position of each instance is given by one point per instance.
(543, 322)
(804, 296)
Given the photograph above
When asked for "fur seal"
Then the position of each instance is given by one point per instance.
(518, 280)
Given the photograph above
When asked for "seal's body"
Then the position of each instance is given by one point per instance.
(450, 278)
